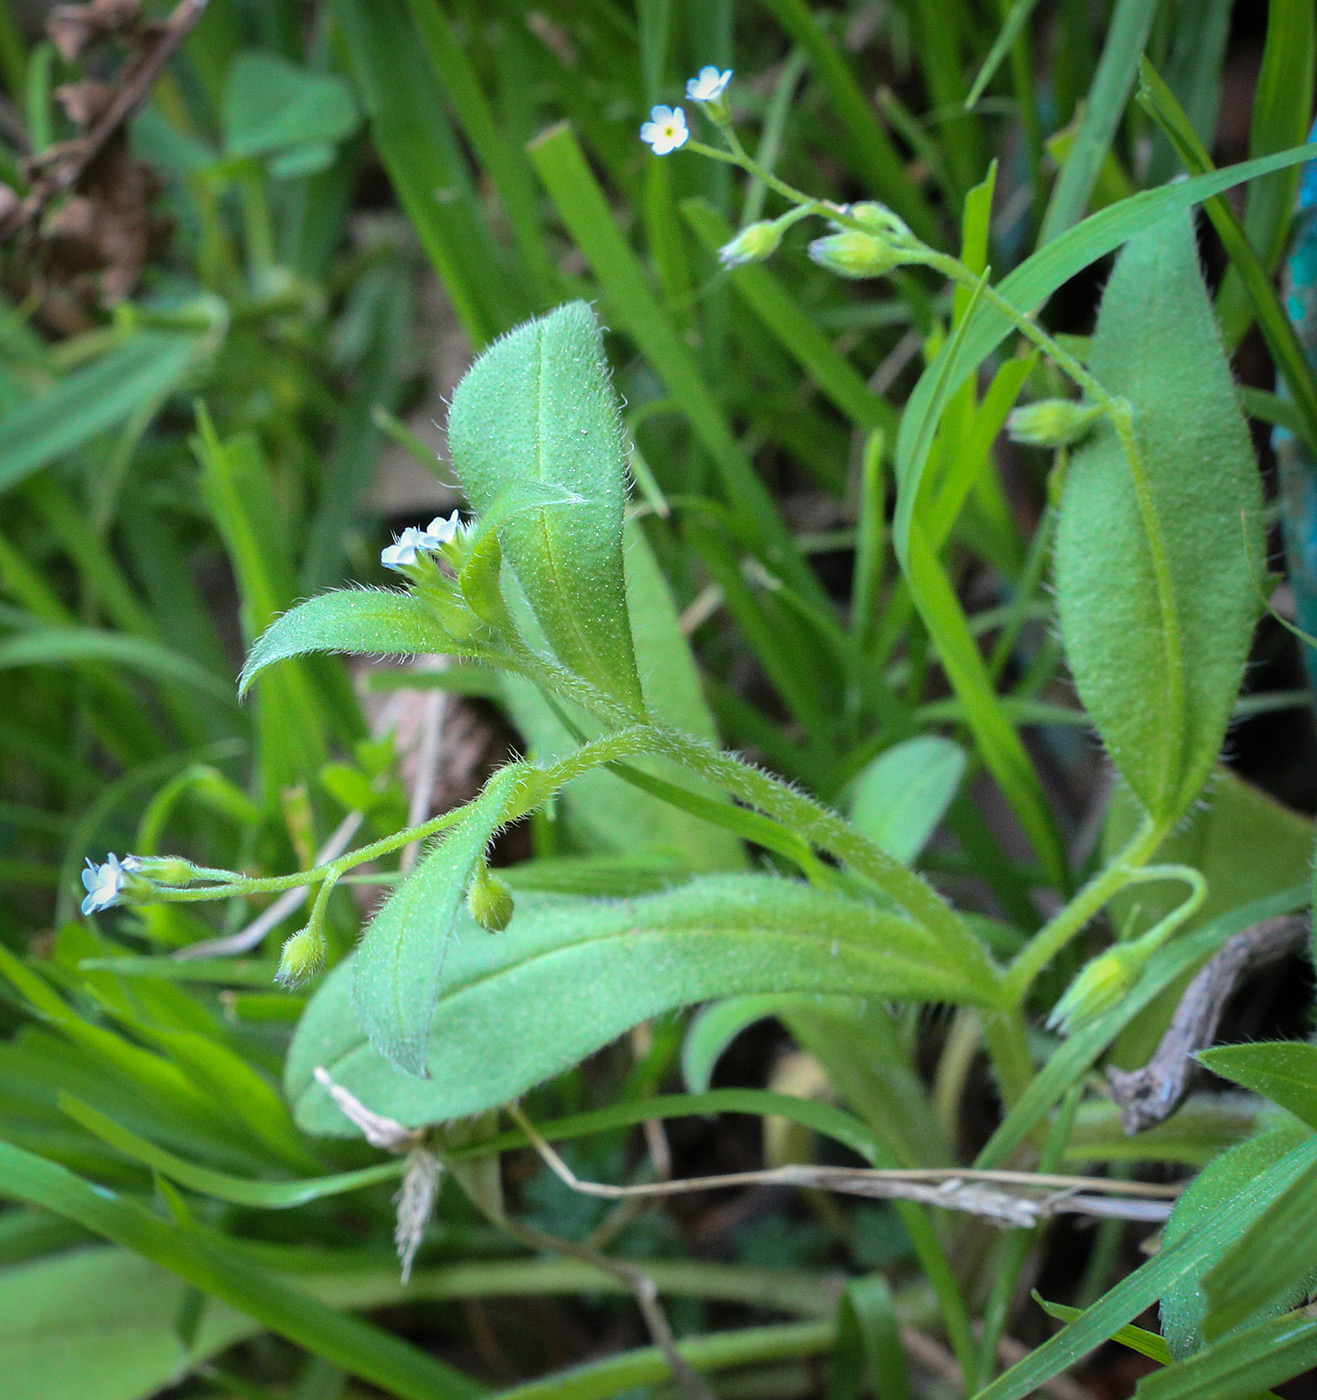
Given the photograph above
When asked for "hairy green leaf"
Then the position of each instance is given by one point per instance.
(1184, 1303)
(566, 977)
(1283, 1071)
(601, 811)
(1242, 1365)
(399, 966)
(1154, 584)
(367, 621)
(1264, 1273)
(538, 406)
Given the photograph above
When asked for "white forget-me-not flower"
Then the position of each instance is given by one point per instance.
(402, 553)
(709, 86)
(665, 130)
(104, 883)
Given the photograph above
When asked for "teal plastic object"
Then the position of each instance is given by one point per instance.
(1298, 470)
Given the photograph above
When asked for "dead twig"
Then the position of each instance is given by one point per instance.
(65, 165)
(1150, 1095)
(1036, 1197)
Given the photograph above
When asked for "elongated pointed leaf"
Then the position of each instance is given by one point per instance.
(568, 976)
(1268, 1270)
(1036, 279)
(367, 621)
(398, 969)
(1241, 1366)
(1182, 1258)
(538, 406)
(1212, 1191)
(143, 369)
(1154, 586)
(1283, 1071)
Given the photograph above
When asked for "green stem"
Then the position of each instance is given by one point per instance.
(538, 785)
(997, 1311)
(1053, 936)
(816, 823)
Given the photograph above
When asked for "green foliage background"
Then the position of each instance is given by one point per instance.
(763, 510)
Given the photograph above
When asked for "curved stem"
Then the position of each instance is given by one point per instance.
(1053, 936)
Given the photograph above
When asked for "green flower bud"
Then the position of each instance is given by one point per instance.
(879, 218)
(479, 582)
(755, 243)
(1101, 984)
(452, 609)
(1052, 422)
(854, 254)
(302, 957)
(490, 901)
(161, 870)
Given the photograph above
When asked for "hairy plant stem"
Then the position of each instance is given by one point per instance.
(1117, 409)
(538, 785)
(1054, 935)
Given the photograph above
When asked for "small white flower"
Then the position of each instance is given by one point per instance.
(443, 531)
(665, 130)
(104, 883)
(401, 554)
(709, 86)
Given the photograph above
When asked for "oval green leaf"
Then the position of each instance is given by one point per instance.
(1155, 593)
(538, 406)
(568, 976)
(899, 798)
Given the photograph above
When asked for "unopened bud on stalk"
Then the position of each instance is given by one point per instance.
(302, 957)
(161, 870)
(1052, 422)
(879, 218)
(755, 243)
(490, 901)
(1100, 985)
(856, 255)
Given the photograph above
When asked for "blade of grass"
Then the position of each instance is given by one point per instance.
(45, 427)
(869, 149)
(719, 1351)
(794, 329)
(1139, 1290)
(1131, 22)
(216, 1267)
(1031, 284)
(221, 1186)
(500, 159)
(1016, 18)
(419, 149)
(1282, 116)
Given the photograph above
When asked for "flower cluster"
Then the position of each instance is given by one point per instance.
(405, 550)
(666, 130)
